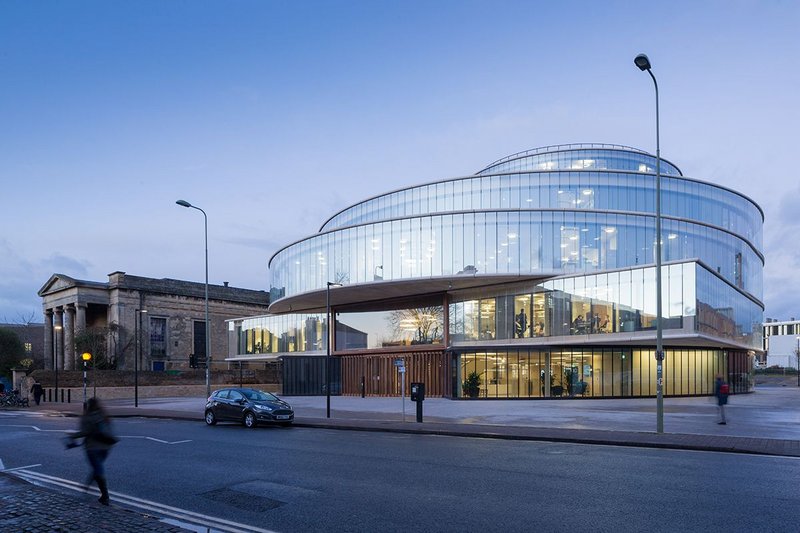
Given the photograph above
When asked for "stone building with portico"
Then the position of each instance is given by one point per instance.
(161, 319)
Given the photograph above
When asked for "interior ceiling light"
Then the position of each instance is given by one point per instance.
(587, 192)
(672, 236)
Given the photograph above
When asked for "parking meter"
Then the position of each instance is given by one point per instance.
(417, 392)
(418, 395)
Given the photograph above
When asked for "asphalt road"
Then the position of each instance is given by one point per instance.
(296, 479)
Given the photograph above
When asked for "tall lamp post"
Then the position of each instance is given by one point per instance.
(86, 356)
(328, 337)
(137, 355)
(184, 203)
(56, 344)
(643, 63)
(797, 357)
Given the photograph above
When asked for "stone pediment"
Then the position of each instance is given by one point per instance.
(57, 282)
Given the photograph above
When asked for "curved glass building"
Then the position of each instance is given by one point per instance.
(536, 274)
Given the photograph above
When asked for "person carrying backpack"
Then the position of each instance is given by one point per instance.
(721, 391)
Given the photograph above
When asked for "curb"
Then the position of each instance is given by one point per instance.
(674, 441)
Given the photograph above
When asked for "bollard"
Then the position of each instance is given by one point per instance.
(49, 395)
(69, 395)
(363, 387)
(62, 395)
(419, 411)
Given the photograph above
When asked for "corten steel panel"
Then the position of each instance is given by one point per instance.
(381, 377)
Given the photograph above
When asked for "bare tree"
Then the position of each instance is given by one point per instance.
(102, 343)
(424, 324)
(26, 319)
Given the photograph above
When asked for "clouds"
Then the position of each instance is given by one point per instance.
(275, 116)
(21, 278)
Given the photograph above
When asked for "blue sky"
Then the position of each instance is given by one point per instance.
(272, 116)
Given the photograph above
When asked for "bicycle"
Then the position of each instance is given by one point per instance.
(13, 399)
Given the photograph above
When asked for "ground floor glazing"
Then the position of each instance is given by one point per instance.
(524, 372)
(597, 372)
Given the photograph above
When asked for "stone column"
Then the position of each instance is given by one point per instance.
(80, 318)
(48, 339)
(69, 337)
(59, 340)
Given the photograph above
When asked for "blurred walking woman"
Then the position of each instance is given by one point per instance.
(97, 440)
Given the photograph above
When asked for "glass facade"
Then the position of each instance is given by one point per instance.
(694, 300)
(581, 157)
(274, 334)
(599, 372)
(580, 219)
(506, 242)
(390, 329)
(585, 189)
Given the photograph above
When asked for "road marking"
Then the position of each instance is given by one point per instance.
(159, 509)
(36, 428)
(71, 431)
(18, 468)
(153, 439)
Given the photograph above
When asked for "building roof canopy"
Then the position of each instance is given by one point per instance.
(314, 301)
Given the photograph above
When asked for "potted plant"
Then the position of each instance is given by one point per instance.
(472, 385)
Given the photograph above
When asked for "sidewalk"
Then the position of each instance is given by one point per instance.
(29, 508)
(764, 422)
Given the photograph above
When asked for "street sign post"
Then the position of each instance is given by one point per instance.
(401, 369)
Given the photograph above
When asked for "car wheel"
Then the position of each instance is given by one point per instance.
(211, 419)
(249, 419)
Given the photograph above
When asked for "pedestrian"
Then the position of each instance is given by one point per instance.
(721, 391)
(97, 440)
(37, 392)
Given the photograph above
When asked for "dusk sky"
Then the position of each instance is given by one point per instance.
(272, 116)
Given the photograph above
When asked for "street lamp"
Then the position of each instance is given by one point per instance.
(328, 343)
(797, 356)
(86, 356)
(57, 329)
(184, 203)
(643, 63)
(137, 353)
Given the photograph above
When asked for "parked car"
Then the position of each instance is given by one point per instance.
(248, 406)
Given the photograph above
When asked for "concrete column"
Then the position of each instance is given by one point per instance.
(69, 337)
(48, 339)
(59, 338)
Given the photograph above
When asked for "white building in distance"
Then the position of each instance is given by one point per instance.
(781, 342)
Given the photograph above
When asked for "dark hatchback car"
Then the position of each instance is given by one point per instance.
(248, 406)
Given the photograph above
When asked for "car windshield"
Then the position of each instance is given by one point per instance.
(260, 396)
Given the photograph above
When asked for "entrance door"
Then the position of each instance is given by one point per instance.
(199, 341)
